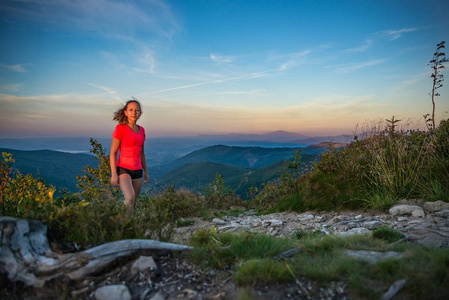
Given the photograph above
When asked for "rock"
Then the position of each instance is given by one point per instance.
(404, 202)
(372, 224)
(442, 213)
(227, 228)
(143, 263)
(306, 217)
(402, 219)
(190, 294)
(274, 222)
(403, 209)
(419, 213)
(218, 221)
(436, 206)
(373, 256)
(394, 289)
(428, 238)
(158, 296)
(337, 219)
(113, 292)
(358, 230)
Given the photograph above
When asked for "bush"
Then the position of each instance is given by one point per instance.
(376, 172)
(161, 212)
(387, 234)
(218, 195)
(24, 196)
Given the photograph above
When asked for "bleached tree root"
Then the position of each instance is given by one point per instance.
(26, 256)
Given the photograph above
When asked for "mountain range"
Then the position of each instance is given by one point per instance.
(243, 160)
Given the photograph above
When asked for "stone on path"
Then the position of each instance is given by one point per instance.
(403, 209)
(394, 289)
(358, 230)
(442, 213)
(419, 213)
(218, 221)
(113, 292)
(436, 206)
(143, 263)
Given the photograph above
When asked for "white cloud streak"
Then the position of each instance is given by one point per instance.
(364, 47)
(13, 87)
(394, 34)
(347, 68)
(255, 93)
(147, 60)
(220, 58)
(116, 19)
(15, 68)
(243, 77)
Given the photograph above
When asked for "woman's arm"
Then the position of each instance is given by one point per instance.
(115, 145)
(146, 177)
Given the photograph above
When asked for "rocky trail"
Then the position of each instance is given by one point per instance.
(165, 274)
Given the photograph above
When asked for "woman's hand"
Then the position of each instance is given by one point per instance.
(146, 178)
(114, 179)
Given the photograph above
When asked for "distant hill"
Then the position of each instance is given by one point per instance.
(241, 167)
(57, 168)
(244, 157)
(196, 176)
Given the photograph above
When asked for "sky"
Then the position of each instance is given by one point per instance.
(217, 66)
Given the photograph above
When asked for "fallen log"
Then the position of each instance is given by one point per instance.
(26, 256)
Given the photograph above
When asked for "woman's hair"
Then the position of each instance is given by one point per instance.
(119, 115)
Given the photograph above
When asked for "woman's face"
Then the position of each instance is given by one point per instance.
(132, 111)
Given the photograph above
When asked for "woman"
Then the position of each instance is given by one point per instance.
(128, 138)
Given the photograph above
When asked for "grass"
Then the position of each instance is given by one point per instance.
(323, 260)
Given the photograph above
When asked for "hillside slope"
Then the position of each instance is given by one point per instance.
(196, 176)
(56, 168)
(244, 157)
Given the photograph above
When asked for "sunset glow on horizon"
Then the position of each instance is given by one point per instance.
(217, 67)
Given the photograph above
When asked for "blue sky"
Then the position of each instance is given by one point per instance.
(217, 66)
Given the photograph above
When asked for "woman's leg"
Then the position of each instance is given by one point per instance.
(137, 185)
(127, 187)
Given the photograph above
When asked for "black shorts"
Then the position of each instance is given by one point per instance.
(135, 174)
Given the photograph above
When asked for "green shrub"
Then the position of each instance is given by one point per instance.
(292, 202)
(212, 249)
(94, 223)
(95, 184)
(387, 234)
(218, 195)
(161, 212)
(261, 271)
(24, 196)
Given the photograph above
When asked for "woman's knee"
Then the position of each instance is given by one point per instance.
(130, 199)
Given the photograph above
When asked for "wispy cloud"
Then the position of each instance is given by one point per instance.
(255, 93)
(364, 47)
(147, 60)
(112, 59)
(287, 65)
(220, 58)
(119, 19)
(394, 34)
(104, 88)
(346, 68)
(243, 77)
(15, 68)
(12, 87)
(291, 59)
